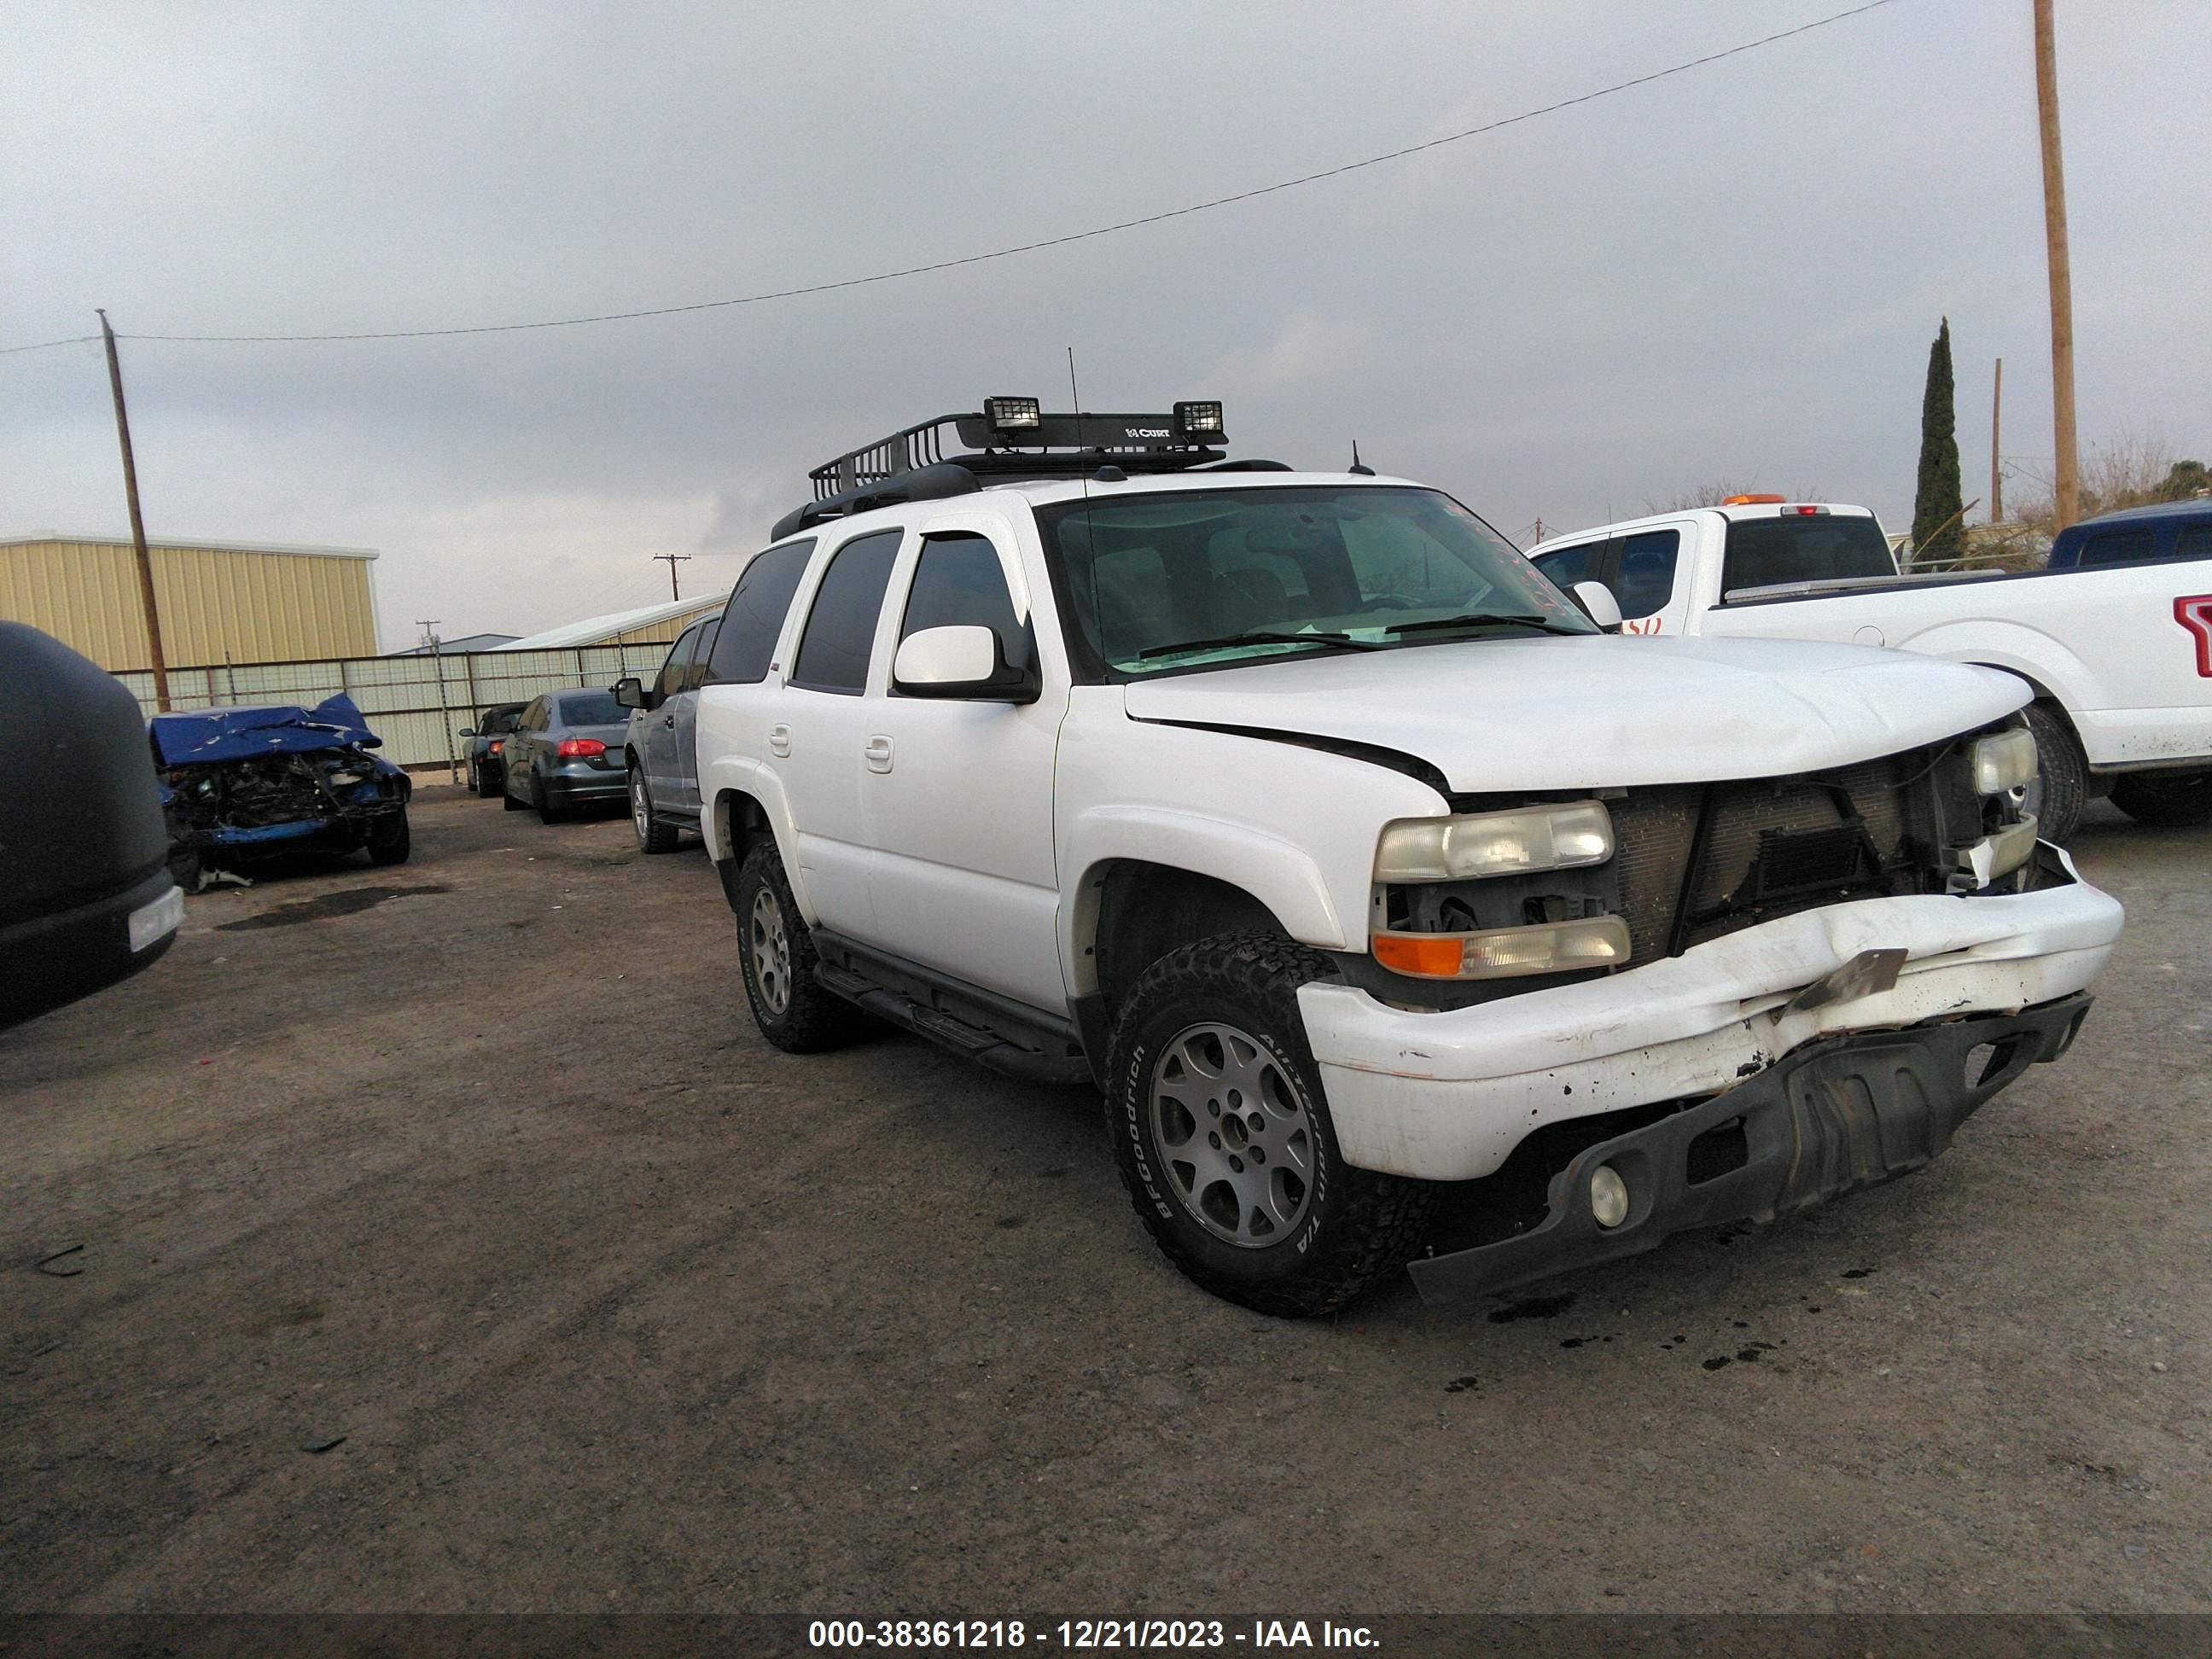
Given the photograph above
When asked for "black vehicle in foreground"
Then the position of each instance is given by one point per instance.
(85, 894)
(488, 746)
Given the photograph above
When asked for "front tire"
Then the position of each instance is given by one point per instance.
(1222, 1133)
(778, 957)
(652, 835)
(2062, 782)
(388, 840)
(2170, 802)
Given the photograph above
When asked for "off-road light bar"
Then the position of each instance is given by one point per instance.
(1013, 414)
(1495, 843)
(1199, 420)
(1551, 947)
(2004, 761)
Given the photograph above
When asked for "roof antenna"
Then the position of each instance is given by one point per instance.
(1108, 472)
(1358, 467)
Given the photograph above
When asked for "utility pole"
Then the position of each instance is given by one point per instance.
(445, 715)
(671, 560)
(2067, 482)
(1997, 467)
(1539, 531)
(137, 523)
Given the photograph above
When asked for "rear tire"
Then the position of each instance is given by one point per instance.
(547, 812)
(482, 783)
(652, 835)
(2173, 802)
(389, 843)
(778, 957)
(1209, 1065)
(2062, 775)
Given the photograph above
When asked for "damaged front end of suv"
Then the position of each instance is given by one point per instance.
(242, 783)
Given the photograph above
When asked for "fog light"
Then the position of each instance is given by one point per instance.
(1608, 1196)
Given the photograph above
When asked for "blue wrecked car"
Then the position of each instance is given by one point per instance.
(241, 782)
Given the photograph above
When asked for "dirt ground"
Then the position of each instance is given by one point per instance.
(449, 1240)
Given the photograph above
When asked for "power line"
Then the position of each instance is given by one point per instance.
(1027, 247)
(48, 345)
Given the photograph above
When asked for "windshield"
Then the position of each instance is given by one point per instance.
(1767, 552)
(598, 708)
(1160, 583)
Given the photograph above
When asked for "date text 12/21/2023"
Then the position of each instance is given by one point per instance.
(1086, 1634)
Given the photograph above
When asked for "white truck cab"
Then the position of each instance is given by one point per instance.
(1389, 902)
(2119, 657)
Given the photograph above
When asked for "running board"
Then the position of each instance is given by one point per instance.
(999, 1050)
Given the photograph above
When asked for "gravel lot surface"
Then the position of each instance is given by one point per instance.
(449, 1240)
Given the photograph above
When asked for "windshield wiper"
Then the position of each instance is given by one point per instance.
(1479, 619)
(1263, 636)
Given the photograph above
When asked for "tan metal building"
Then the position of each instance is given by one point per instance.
(238, 602)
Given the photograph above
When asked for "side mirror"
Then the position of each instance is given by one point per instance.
(962, 661)
(630, 693)
(1598, 604)
(468, 731)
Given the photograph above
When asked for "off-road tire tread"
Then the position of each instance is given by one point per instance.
(2065, 772)
(1382, 1220)
(816, 1018)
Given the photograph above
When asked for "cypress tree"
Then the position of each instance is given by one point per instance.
(1937, 532)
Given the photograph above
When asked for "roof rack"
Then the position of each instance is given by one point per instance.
(1011, 438)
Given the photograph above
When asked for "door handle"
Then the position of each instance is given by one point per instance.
(878, 754)
(778, 740)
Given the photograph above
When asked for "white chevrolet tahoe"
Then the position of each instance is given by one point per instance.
(2119, 656)
(1402, 916)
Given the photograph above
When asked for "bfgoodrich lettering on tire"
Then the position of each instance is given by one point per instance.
(1224, 1140)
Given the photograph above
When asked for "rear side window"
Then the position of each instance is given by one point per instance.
(753, 620)
(1646, 580)
(959, 581)
(2194, 542)
(841, 628)
(1768, 552)
(2117, 547)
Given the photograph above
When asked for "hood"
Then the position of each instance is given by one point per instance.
(231, 734)
(1604, 711)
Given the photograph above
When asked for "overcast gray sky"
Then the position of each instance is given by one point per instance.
(1734, 272)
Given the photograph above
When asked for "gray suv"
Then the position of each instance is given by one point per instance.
(659, 749)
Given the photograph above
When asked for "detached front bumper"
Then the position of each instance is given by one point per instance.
(1447, 1095)
(1835, 1117)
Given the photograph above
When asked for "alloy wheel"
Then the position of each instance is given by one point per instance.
(770, 943)
(1236, 1134)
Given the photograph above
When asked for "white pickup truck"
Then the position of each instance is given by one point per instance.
(2120, 656)
(1390, 903)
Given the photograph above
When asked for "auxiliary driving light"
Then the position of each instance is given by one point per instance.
(1608, 1196)
(2003, 762)
(1199, 420)
(1013, 414)
(1495, 843)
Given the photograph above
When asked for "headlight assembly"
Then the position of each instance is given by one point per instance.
(1480, 844)
(2004, 761)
